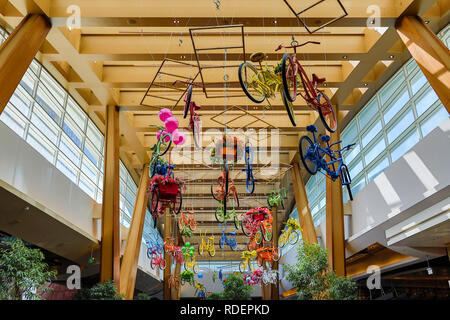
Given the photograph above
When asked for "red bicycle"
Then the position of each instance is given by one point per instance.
(157, 260)
(291, 71)
(195, 124)
(257, 224)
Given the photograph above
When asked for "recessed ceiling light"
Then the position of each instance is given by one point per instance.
(366, 84)
(275, 21)
(391, 57)
(427, 21)
(344, 57)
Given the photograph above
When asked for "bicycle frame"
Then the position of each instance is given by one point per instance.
(333, 173)
(231, 242)
(250, 180)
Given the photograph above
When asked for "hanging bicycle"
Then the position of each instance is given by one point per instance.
(290, 234)
(258, 223)
(207, 246)
(261, 84)
(195, 124)
(277, 197)
(165, 191)
(313, 158)
(231, 241)
(250, 180)
(293, 73)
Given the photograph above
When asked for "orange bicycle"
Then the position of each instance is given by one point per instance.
(174, 281)
(268, 254)
(188, 220)
(223, 188)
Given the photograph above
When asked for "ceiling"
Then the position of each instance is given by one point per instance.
(115, 55)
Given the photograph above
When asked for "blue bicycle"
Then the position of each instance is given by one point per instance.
(162, 168)
(250, 182)
(225, 240)
(313, 158)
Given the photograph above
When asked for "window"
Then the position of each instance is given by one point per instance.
(407, 143)
(13, 120)
(389, 125)
(41, 144)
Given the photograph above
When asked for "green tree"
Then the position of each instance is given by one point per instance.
(215, 296)
(142, 296)
(100, 291)
(23, 272)
(236, 289)
(313, 279)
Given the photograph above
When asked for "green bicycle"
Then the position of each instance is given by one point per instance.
(229, 215)
(277, 197)
(262, 84)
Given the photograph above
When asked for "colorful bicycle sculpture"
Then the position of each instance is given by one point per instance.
(174, 281)
(155, 254)
(313, 158)
(187, 276)
(277, 197)
(268, 254)
(174, 250)
(207, 246)
(195, 124)
(258, 223)
(261, 84)
(231, 242)
(229, 215)
(224, 189)
(165, 191)
(246, 257)
(270, 277)
(187, 220)
(292, 73)
(200, 291)
(250, 180)
(290, 234)
(254, 278)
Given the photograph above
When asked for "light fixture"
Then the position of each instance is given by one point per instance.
(366, 84)
(427, 21)
(391, 57)
(275, 21)
(325, 85)
(372, 21)
(344, 57)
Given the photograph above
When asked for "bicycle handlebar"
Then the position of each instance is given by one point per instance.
(295, 44)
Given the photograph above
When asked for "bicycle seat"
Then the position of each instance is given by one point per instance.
(257, 56)
(311, 128)
(325, 138)
(318, 80)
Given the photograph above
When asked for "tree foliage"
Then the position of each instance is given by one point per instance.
(142, 296)
(100, 291)
(23, 272)
(236, 289)
(311, 275)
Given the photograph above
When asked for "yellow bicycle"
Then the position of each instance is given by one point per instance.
(263, 83)
(246, 257)
(190, 264)
(207, 245)
(290, 234)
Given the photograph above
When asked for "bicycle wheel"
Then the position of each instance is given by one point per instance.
(250, 184)
(282, 240)
(154, 263)
(234, 246)
(346, 180)
(166, 145)
(247, 226)
(258, 237)
(192, 225)
(306, 150)
(289, 109)
(236, 221)
(248, 78)
(200, 249)
(212, 251)
(214, 195)
(326, 112)
(276, 254)
(242, 267)
(196, 129)
(187, 99)
(220, 217)
(289, 76)
(266, 233)
(162, 264)
(293, 237)
(178, 203)
(221, 243)
(195, 268)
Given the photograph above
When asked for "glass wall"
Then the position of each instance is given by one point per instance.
(42, 113)
(398, 116)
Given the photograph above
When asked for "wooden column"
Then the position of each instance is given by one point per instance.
(168, 257)
(17, 52)
(432, 56)
(175, 293)
(275, 288)
(134, 239)
(110, 241)
(301, 199)
(335, 216)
